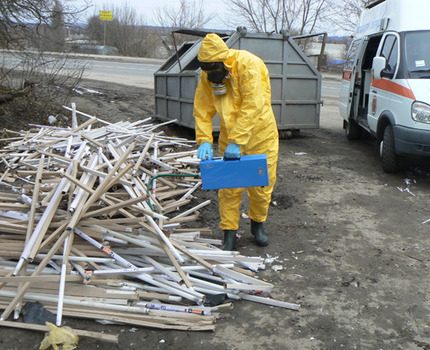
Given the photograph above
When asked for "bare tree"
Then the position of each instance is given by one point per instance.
(57, 31)
(50, 36)
(294, 16)
(126, 32)
(347, 14)
(188, 14)
(21, 20)
(94, 29)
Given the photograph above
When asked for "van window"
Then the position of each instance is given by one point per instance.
(371, 50)
(418, 53)
(352, 52)
(390, 52)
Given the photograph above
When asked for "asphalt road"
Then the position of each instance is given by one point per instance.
(133, 71)
(127, 73)
(141, 75)
(330, 88)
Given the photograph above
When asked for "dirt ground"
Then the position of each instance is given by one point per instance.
(350, 240)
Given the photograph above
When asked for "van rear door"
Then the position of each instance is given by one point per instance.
(351, 79)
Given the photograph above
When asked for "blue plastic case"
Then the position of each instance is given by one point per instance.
(248, 171)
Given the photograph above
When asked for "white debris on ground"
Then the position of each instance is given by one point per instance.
(245, 216)
(52, 119)
(408, 182)
(80, 90)
(300, 153)
(277, 268)
(107, 219)
(270, 260)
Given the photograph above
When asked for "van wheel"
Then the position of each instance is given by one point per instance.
(295, 132)
(352, 130)
(285, 134)
(387, 152)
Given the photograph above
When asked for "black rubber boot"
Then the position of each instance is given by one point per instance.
(261, 238)
(229, 240)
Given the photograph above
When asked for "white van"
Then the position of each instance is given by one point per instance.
(386, 79)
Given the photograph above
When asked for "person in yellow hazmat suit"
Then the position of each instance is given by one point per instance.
(236, 85)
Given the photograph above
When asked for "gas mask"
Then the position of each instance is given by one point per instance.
(217, 76)
(216, 73)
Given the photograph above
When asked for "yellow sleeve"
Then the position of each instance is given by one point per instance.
(204, 111)
(252, 104)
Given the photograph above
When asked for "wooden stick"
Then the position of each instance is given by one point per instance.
(176, 265)
(115, 206)
(36, 238)
(36, 272)
(190, 326)
(109, 180)
(192, 256)
(94, 142)
(143, 154)
(110, 338)
(54, 234)
(35, 200)
(79, 184)
(192, 210)
(39, 279)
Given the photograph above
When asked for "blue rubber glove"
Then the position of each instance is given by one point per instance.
(232, 151)
(205, 151)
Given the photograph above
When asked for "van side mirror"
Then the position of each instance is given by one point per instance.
(378, 65)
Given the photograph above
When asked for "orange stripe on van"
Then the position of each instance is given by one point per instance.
(390, 86)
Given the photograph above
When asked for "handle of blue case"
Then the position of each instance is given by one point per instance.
(230, 159)
(226, 159)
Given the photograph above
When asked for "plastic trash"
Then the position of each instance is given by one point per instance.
(215, 299)
(59, 338)
(37, 314)
(52, 119)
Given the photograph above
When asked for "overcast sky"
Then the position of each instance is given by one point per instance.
(146, 9)
(217, 10)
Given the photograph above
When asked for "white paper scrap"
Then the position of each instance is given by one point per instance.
(277, 268)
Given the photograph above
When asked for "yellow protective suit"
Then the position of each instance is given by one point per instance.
(247, 119)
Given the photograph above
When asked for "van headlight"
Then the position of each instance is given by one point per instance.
(421, 112)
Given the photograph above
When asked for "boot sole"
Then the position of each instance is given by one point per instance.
(259, 243)
(262, 244)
